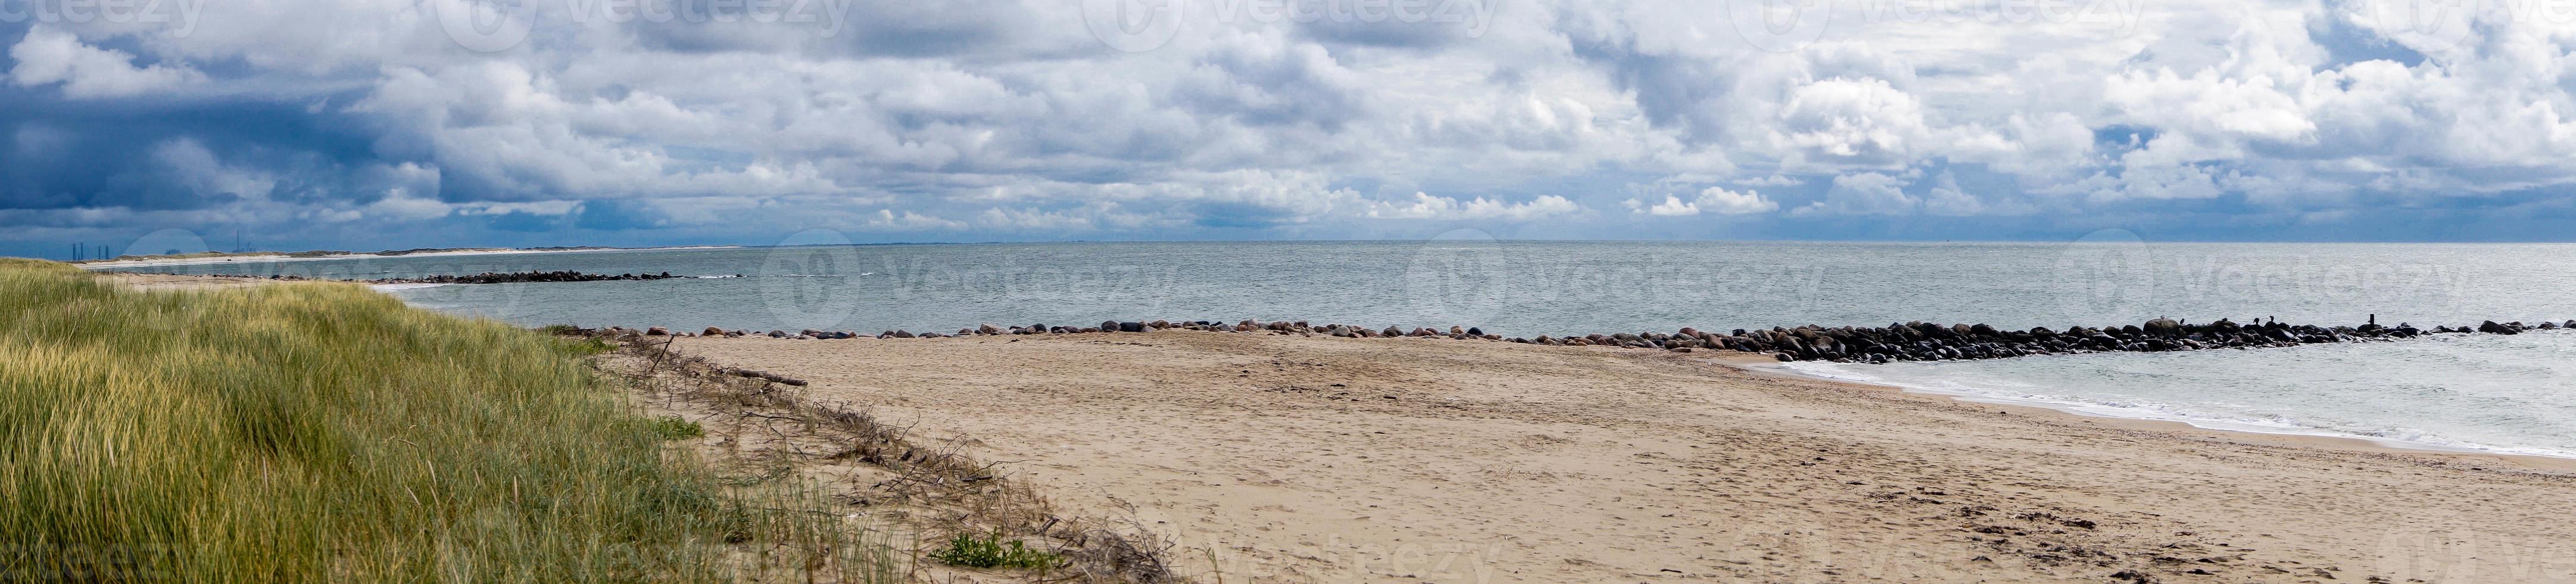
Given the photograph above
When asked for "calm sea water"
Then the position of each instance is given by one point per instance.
(2513, 394)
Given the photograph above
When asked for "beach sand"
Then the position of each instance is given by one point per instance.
(1274, 458)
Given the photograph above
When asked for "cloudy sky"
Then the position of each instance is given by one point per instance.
(370, 124)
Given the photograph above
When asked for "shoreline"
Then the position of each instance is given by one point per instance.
(280, 257)
(2325, 439)
(1750, 362)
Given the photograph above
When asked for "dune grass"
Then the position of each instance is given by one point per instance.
(324, 432)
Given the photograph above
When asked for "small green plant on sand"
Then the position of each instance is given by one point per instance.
(990, 551)
(674, 428)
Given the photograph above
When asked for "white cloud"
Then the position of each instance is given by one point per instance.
(1712, 200)
(1424, 206)
(48, 55)
(910, 221)
(1867, 193)
(1010, 117)
(1863, 120)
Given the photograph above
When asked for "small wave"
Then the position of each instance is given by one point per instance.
(405, 286)
(2146, 410)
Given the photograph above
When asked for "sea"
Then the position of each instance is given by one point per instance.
(2503, 394)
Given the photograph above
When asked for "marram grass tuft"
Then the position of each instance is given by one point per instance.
(328, 433)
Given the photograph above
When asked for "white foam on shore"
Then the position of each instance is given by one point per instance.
(405, 286)
(1996, 393)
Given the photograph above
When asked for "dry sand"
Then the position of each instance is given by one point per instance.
(1290, 459)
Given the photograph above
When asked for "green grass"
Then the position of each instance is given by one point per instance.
(991, 551)
(674, 428)
(327, 433)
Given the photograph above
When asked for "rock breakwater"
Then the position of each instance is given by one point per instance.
(1910, 341)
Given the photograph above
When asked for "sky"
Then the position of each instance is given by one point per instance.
(393, 124)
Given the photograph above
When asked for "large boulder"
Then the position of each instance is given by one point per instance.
(2162, 326)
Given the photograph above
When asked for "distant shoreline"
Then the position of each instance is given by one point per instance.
(271, 257)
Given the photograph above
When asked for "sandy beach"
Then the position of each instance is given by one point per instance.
(1273, 458)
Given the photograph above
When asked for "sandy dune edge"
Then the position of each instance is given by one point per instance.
(1276, 458)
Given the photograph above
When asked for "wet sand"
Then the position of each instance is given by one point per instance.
(1284, 459)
